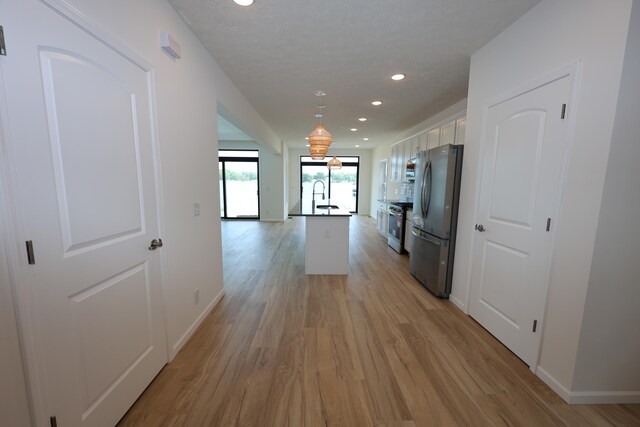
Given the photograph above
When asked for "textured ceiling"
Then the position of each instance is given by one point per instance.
(280, 52)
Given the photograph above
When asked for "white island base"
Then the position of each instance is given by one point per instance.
(327, 245)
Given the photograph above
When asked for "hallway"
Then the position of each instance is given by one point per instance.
(370, 348)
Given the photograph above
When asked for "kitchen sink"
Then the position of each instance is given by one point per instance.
(327, 207)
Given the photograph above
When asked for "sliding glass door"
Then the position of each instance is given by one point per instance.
(339, 185)
(239, 184)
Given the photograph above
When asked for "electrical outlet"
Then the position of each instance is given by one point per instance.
(196, 209)
(326, 234)
(196, 296)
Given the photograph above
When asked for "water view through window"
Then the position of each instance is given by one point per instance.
(238, 172)
(340, 185)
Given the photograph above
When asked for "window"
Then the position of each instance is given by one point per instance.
(340, 185)
(239, 184)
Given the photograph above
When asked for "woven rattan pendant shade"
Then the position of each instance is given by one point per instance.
(319, 140)
(334, 163)
(318, 152)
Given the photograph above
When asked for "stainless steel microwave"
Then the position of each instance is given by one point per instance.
(410, 170)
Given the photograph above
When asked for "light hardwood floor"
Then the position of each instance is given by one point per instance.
(372, 348)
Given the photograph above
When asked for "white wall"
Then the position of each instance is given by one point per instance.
(189, 91)
(286, 179)
(554, 34)
(270, 166)
(364, 184)
(609, 350)
(383, 151)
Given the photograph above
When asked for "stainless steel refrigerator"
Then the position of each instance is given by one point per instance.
(435, 217)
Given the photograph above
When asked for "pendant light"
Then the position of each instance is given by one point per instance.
(334, 163)
(318, 152)
(320, 139)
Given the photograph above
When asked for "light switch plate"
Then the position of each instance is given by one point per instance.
(196, 209)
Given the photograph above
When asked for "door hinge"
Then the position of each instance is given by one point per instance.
(564, 110)
(548, 224)
(3, 47)
(54, 422)
(535, 326)
(30, 256)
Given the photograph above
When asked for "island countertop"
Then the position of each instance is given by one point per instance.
(304, 209)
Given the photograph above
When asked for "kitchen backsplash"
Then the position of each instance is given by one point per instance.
(406, 191)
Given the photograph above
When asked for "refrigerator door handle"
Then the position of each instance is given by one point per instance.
(423, 185)
(426, 188)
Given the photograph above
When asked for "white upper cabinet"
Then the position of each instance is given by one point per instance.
(406, 155)
(461, 125)
(451, 132)
(415, 142)
(395, 175)
(422, 141)
(448, 133)
(433, 138)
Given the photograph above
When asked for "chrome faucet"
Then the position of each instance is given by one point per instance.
(313, 190)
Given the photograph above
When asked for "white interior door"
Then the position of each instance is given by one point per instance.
(519, 194)
(80, 128)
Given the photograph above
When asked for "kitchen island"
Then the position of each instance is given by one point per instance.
(326, 237)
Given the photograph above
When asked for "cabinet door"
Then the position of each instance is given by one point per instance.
(461, 125)
(382, 218)
(394, 163)
(422, 141)
(392, 166)
(406, 155)
(433, 138)
(448, 133)
(415, 144)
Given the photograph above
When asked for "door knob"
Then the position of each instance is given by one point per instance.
(480, 227)
(155, 244)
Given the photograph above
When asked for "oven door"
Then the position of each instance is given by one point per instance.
(395, 235)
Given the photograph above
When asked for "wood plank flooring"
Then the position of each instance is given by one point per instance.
(372, 348)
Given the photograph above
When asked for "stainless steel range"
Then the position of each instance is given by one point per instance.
(396, 232)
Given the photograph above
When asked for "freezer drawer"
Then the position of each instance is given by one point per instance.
(429, 262)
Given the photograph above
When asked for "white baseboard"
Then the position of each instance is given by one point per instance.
(555, 385)
(185, 337)
(588, 397)
(604, 397)
(458, 303)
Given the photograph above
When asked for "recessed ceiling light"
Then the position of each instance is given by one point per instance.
(365, 139)
(306, 137)
(244, 2)
(357, 146)
(363, 119)
(376, 102)
(353, 129)
(308, 145)
(397, 77)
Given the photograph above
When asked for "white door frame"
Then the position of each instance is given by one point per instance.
(573, 71)
(13, 227)
(9, 222)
